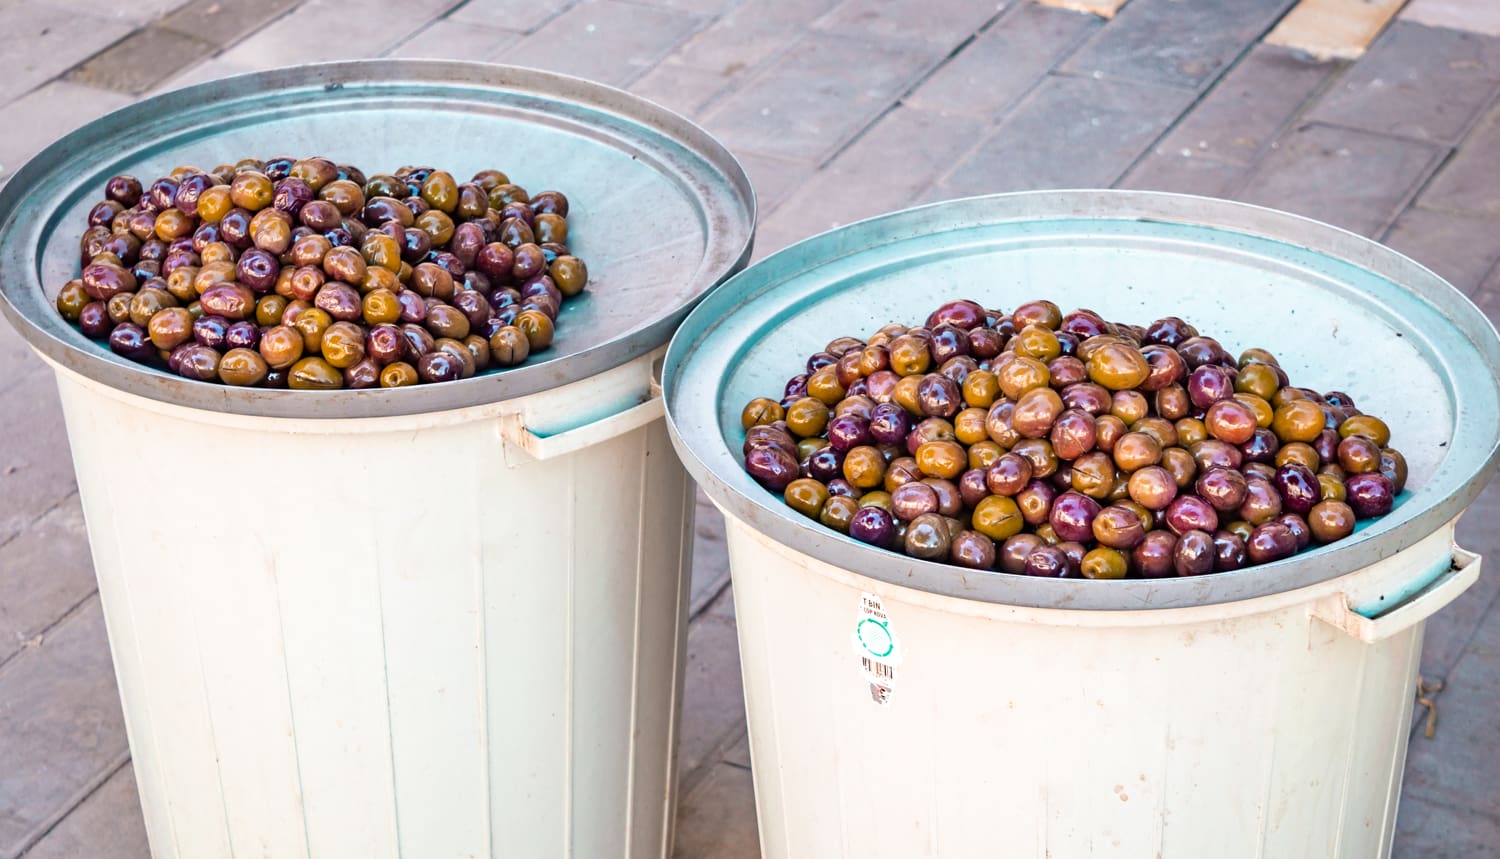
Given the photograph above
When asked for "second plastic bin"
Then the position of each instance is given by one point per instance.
(900, 708)
(440, 621)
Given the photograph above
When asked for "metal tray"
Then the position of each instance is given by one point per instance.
(661, 212)
(1339, 311)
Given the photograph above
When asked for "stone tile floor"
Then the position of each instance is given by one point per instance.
(839, 109)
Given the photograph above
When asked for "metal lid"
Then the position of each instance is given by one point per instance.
(1339, 311)
(660, 211)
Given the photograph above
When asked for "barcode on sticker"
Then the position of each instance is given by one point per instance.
(879, 669)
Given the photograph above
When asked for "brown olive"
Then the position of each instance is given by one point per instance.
(537, 328)
(243, 368)
(398, 374)
(757, 412)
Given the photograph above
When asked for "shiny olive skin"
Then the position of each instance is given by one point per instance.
(1072, 516)
(1370, 494)
(1154, 557)
(1298, 487)
(1194, 554)
(1230, 552)
(927, 537)
(1271, 541)
(1048, 562)
(872, 525)
(973, 550)
(1331, 520)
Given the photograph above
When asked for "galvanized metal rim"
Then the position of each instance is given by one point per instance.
(692, 415)
(24, 303)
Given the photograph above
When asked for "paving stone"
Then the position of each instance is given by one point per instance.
(523, 16)
(37, 119)
(137, 13)
(1356, 180)
(1449, 631)
(723, 605)
(1005, 61)
(713, 701)
(213, 69)
(684, 89)
(710, 557)
(1430, 830)
(43, 41)
(39, 473)
(224, 22)
(1333, 29)
(44, 571)
(1110, 123)
(373, 30)
(1467, 182)
(749, 34)
(1171, 42)
(1247, 108)
(17, 361)
(60, 724)
(140, 61)
(1444, 769)
(108, 823)
(774, 179)
(448, 39)
(605, 40)
(1184, 172)
(1477, 16)
(717, 819)
(808, 104)
(861, 183)
(942, 22)
(1461, 248)
(1420, 82)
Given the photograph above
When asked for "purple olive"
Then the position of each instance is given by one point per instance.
(1212, 452)
(1009, 474)
(1261, 447)
(1370, 494)
(939, 396)
(199, 363)
(257, 269)
(1191, 513)
(1153, 558)
(94, 321)
(1262, 501)
(1036, 501)
(211, 331)
(1271, 541)
(1229, 552)
(772, 466)
(1169, 331)
(1199, 351)
(1072, 516)
(962, 313)
(292, 195)
(130, 341)
(188, 191)
(1194, 554)
(872, 525)
(1223, 488)
(1299, 528)
(1299, 488)
(889, 424)
(972, 487)
(1209, 384)
(847, 432)
(1049, 562)
(123, 189)
(948, 341)
(242, 335)
(825, 464)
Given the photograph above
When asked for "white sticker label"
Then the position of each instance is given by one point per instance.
(876, 646)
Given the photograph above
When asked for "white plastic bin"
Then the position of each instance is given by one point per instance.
(900, 708)
(443, 621)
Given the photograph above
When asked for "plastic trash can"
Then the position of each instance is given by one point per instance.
(901, 708)
(440, 621)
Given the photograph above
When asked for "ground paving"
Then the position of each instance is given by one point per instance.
(839, 110)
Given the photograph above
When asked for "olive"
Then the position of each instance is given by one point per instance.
(845, 432)
(281, 346)
(998, 517)
(873, 525)
(838, 511)
(1208, 384)
(1152, 487)
(1104, 563)
(537, 327)
(1008, 475)
(1073, 434)
(1191, 513)
(509, 347)
(1155, 556)
(1393, 466)
(1035, 412)
(864, 467)
(1271, 541)
(1299, 528)
(1331, 520)
(1011, 557)
(1118, 367)
(945, 459)
(343, 345)
(1118, 527)
(118, 306)
(94, 321)
(889, 424)
(1072, 516)
(123, 189)
(1298, 487)
(243, 368)
(927, 537)
(1262, 502)
(444, 320)
(1230, 552)
(1358, 454)
(1230, 420)
(398, 374)
(1298, 420)
(1048, 561)
(973, 550)
(1035, 502)
(229, 300)
(806, 496)
(1366, 426)
(130, 341)
(1263, 446)
(1194, 554)
(1370, 494)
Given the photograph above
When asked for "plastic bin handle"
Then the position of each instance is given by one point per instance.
(1418, 607)
(514, 433)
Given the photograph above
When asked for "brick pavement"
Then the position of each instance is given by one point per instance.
(839, 109)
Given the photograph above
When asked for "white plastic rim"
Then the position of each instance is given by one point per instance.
(892, 723)
(447, 635)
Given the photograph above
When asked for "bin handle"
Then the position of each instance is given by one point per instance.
(514, 432)
(1461, 573)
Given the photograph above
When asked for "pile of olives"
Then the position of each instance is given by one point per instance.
(303, 273)
(1067, 446)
